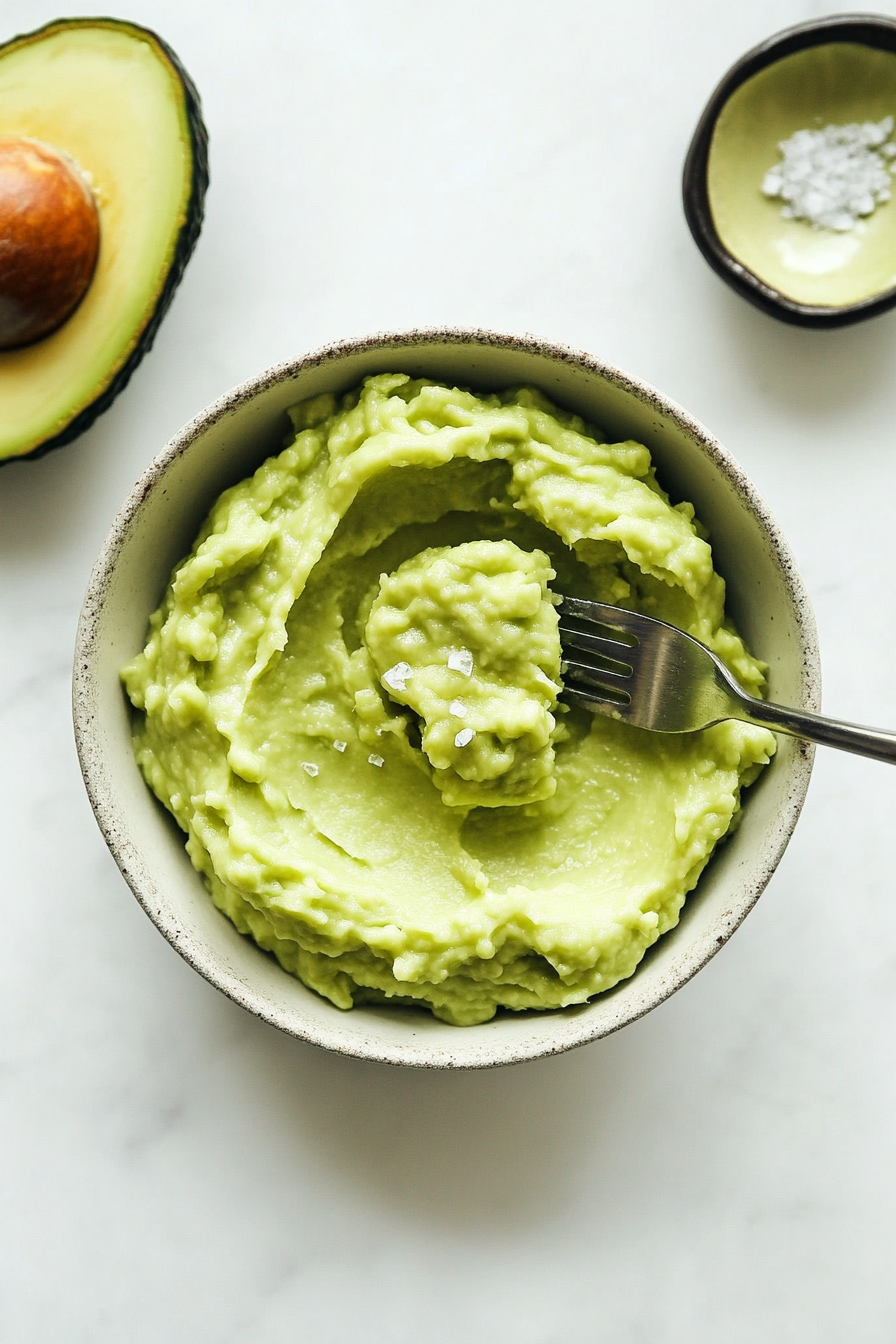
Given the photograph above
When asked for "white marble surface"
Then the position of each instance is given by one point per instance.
(722, 1172)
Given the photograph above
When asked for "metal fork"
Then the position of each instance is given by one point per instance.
(650, 674)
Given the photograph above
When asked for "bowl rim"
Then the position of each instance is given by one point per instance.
(569, 1031)
(869, 30)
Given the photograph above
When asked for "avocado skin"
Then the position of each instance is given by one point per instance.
(186, 239)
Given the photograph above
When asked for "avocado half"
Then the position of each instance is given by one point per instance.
(116, 99)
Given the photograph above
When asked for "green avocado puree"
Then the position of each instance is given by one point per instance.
(466, 636)
(348, 701)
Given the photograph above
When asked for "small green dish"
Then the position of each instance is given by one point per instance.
(835, 70)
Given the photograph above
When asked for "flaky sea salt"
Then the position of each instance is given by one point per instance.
(397, 676)
(378, 761)
(339, 745)
(461, 660)
(310, 768)
(464, 737)
(457, 709)
(834, 176)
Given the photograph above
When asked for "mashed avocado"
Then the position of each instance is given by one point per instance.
(466, 636)
(348, 701)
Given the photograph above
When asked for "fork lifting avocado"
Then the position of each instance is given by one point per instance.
(645, 672)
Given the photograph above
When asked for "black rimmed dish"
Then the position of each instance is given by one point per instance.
(836, 70)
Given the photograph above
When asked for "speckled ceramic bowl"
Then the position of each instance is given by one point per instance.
(156, 526)
(834, 70)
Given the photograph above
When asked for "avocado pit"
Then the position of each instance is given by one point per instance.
(49, 239)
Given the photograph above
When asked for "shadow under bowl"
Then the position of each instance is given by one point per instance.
(836, 70)
(156, 527)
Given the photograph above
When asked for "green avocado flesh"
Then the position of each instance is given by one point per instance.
(371, 593)
(836, 83)
(466, 636)
(114, 98)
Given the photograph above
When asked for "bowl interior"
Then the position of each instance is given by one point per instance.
(831, 83)
(155, 529)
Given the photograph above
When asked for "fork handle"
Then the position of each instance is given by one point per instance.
(873, 742)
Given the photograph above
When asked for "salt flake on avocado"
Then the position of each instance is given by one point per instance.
(396, 677)
(461, 660)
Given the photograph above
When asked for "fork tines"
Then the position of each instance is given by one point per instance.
(599, 631)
